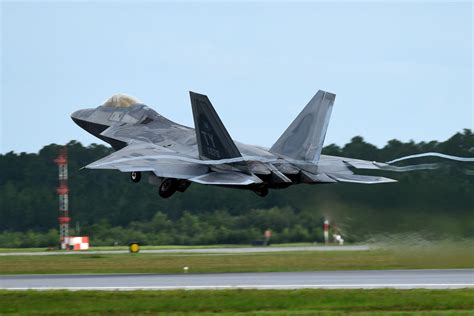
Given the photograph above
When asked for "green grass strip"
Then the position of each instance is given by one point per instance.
(216, 263)
(238, 301)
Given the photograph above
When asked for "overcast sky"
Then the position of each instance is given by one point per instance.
(400, 70)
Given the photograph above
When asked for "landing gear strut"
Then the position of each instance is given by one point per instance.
(168, 187)
(182, 185)
(263, 191)
(135, 176)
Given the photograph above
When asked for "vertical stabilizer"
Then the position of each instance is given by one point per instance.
(304, 138)
(213, 140)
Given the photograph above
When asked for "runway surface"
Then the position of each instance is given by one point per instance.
(200, 250)
(402, 279)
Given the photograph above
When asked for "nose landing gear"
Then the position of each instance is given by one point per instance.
(135, 176)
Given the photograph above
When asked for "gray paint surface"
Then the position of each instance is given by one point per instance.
(148, 142)
(304, 138)
(403, 279)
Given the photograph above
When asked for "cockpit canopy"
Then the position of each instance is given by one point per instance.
(120, 100)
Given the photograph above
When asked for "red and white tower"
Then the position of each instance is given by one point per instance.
(326, 231)
(63, 191)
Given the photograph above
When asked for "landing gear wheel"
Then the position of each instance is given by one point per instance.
(182, 185)
(167, 188)
(135, 176)
(261, 191)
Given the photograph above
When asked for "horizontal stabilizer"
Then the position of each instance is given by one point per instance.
(308, 177)
(226, 178)
(364, 164)
(355, 178)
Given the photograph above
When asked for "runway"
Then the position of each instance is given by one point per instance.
(198, 250)
(400, 279)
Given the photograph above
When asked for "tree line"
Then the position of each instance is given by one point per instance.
(113, 210)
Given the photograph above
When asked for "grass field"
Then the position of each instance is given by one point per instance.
(111, 248)
(149, 247)
(243, 302)
(231, 302)
(255, 262)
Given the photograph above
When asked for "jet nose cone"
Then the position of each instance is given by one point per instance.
(81, 114)
(75, 115)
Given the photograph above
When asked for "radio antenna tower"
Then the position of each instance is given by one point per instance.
(63, 191)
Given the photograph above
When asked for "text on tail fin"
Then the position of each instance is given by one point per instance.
(213, 140)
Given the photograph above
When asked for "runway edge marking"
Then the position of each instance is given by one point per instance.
(251, 287)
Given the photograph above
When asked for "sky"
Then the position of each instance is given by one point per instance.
(399, 69)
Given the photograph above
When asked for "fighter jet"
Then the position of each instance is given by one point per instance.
(174, 155)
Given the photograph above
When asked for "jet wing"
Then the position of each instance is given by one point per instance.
(150, 157)
(167, 163)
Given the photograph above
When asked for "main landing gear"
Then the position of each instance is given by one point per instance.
(169, 186)
(166, 186)
(183, 185)
(262, 191)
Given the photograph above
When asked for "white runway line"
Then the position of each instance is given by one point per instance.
(254, 287)
(363, 279)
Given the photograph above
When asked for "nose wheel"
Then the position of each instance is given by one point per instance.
(135, 176)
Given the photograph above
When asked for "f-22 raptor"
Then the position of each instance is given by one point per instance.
(175, 155)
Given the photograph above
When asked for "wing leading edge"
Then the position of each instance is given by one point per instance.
(167, 163)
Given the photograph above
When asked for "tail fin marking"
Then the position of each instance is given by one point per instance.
(213, 140)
